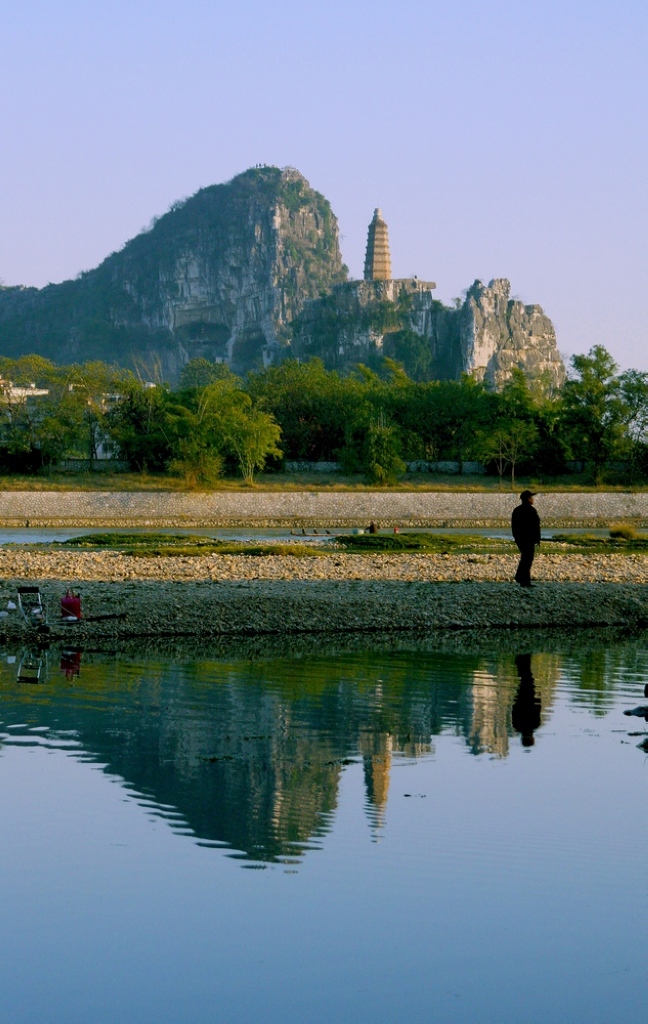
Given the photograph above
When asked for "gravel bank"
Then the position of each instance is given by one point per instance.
(219, 595)
(113, 567)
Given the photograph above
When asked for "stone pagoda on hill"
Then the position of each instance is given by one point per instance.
(377, 268)
(377, 261)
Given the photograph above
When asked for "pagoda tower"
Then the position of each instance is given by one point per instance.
(377, 261)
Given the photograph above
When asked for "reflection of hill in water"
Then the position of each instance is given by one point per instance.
(250, 753)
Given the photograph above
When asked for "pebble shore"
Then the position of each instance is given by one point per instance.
(229, 595)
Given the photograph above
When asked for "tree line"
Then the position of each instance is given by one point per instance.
(371, 421)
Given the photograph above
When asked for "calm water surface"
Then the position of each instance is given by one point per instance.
(342, 836)
(58, 534)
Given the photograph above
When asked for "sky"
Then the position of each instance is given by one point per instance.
(500, 139)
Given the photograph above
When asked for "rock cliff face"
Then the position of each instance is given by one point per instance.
(351, 323)
(497, 333)
(486, 337)
(220, 276)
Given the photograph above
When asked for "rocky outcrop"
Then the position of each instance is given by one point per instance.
(221, 276)
(350, 325)
(497, 333)
(487, 336)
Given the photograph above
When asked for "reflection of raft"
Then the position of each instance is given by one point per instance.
(32, 666)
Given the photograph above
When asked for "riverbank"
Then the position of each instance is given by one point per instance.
(216, 595)
(312, 509)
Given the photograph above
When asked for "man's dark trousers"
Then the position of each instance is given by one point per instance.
(523, 574)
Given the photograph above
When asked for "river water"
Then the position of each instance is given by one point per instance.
(57, 535)
(325, 834)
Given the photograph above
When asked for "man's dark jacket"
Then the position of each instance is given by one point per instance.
(525, 524)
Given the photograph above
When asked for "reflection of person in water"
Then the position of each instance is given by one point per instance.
(71, 663)
(525, 713)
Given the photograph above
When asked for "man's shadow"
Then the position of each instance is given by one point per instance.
(525, 713)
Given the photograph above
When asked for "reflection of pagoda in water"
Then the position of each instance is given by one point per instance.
(489, 727)
(493, 695)
(376, 750)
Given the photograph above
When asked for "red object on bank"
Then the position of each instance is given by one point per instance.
(71, 605)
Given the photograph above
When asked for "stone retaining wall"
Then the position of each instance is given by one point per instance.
(312, 508)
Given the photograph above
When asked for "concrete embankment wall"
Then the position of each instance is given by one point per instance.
(311, 508)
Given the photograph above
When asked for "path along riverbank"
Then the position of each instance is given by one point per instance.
(218, 595)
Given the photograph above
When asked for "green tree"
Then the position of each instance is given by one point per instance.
(633, 386)
(29, 370)
(518, 400)
(507, 445)
(253, 436)
(593, 410)
(381, 459)
(195, 441)
(219, 423)
(449, 416)
(88, 392)
(140, 426)
(314, 407)
(198, 373)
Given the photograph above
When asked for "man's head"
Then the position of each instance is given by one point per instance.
(528, 496)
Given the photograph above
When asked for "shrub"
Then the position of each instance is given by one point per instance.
(623, 531)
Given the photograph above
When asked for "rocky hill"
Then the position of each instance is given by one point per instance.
(248, 271)
(221, 276)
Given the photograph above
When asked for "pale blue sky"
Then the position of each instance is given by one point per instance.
(500, 139)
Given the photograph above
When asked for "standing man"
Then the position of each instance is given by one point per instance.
(525, 524)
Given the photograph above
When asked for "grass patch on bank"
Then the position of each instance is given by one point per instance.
(167, 544)
(619, 542)
(153, 545)
(624, 542)
(432, 543)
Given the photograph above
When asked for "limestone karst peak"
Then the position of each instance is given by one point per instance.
(248, 271)
(220, 276)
